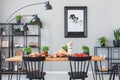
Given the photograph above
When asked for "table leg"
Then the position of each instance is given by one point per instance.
(101, 71)
(94, 76)
(98, 71)
(95, 73)
(18, 72)
(118, 72)
(10, 75)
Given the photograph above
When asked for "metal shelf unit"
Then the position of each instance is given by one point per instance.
(112, 54)
(9, 51)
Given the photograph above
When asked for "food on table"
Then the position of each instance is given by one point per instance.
(64, 52)
(70, 47)
(35, 54)
(80, 55)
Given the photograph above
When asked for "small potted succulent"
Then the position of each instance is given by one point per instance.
(27, 50)
(45, 50)
(102, 41)
(85, 49)
(18, 18)
(17, 31)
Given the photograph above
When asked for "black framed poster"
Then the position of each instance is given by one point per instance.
(75, 21)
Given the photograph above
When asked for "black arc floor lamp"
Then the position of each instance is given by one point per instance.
(47, 7)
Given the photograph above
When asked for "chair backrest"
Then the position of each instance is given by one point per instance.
(34, 67)
(79, 66)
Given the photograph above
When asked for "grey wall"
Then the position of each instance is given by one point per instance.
(103, 17)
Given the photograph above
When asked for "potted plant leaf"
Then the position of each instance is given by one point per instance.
(18, 18)
(85, 49)
(65, 47)
(102, 40)
(17, 31)
(27, 50)
(45, 50)
(116, 41)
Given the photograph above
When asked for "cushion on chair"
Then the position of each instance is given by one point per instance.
(78, 75)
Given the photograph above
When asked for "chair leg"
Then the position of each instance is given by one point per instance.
(112, 73)
(43, 78)
(83, 79)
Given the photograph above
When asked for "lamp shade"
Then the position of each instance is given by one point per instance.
(48, 6)
(24, 28)
(35, 19)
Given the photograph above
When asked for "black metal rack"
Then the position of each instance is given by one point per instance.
(9, 50)
(112, 54)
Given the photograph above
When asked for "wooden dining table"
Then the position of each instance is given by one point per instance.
(19, 58)
(49, 59)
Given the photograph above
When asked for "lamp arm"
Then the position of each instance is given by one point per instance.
(23, 8)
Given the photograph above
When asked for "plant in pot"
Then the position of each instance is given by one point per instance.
(65, 47)
(102, 41)
(18, 18)
(27, 50)
(116, 42)
(45, 50)
(85, 49)
(17, 31)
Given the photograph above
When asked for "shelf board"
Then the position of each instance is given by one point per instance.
(113, 59)
(106, 47)
(16, 24)
(29, 35)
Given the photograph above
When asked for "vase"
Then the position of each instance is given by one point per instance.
(116, 43)
(103, 45)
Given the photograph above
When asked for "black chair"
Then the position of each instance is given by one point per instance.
(79, 67)
(34, 67)
(115, 70)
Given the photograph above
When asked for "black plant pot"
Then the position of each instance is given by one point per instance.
(116, 43)
(103, 45)
(18, 21)
(86, 52)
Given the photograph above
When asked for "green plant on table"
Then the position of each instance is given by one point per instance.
(65, 47)
(85, 49)
(45, 48)
(27, 50)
